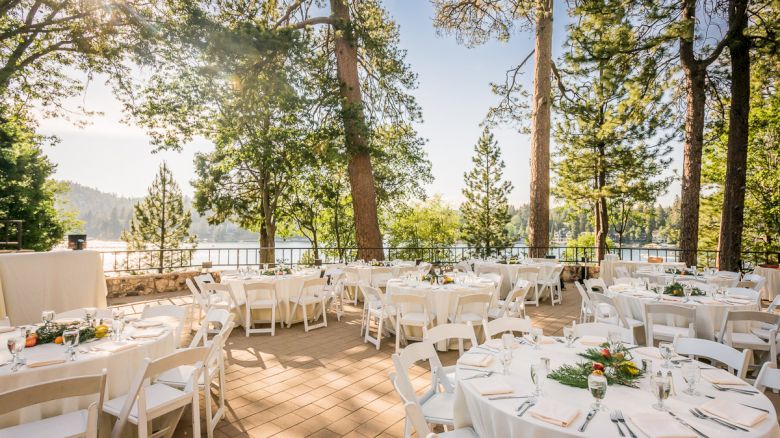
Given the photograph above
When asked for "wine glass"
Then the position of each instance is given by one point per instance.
(71, 340)
(659, 290)
(505, 356)
(11, 344)
(538, 377)
(568, 334)
(597, 384)
(47, 316)
(691, 374)
(614, 338)
(117, 326)
(660, 386)
(89, 314)
(687, 290)
(536, 338)
(667, 351)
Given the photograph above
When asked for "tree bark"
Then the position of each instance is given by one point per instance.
(732, 217)
(361, 174)
(539, 218)
(692, 151)
(267, 244)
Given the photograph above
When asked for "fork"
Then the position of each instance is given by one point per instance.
(622, 419)
(741, 391)
(685, 423)
(699, 414)
(613, 418)
(527, 407)
(479, 376)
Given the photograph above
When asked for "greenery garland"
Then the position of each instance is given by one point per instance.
(50, 332)
(271, 272)
(676, 290)
(616, 365)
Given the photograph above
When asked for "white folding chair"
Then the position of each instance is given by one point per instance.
(463, 266)
(586, 308)
(379, 276)
(753, 281)
(312, 293)
(745, 293)
(206, 299)
(82, 313)
(352, 283)
(507, 324)
(171, 314)
(472, 308)
(437, 406)
(760, 336)
(410, 311)
(78, 423)
(377, 308)
(768, 377)
(146, 401)
(606, 310)
(260, 296)
(737, 361)
(669, 330)
(414, 415)
(424, 268)
(514, 303)
(531, 275)
(774, 305)
(217, 321)
(337, 296)
(595, 285)
(603, 330)
(445, 332)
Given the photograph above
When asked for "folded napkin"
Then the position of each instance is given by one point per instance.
(620, 287)
(45, 363)
(7, 329)
(148, 333)
(551, 411)
(67, 320)
(648, 352)
(721, 377)
(146, 323)
(113, 347)
(592, 341)
(493, 386)
(657, 425)
(476, 359)
(499, 344)
(707, 301)
(735, 300)
(671, 298)
(733, 412)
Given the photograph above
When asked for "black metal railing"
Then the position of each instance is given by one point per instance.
(235, 257)
(11, 233)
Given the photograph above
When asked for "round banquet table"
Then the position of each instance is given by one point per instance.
(121, 367)
(442, 299)
(710, 312)
(287, 286)
(663, 278)
(497, 418)
(365, 272)
(772, 285)
(509, 271)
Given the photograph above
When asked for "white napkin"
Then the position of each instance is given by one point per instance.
(592, 341)
(671, 298)
(7, 329)
(476, 359)
(67, 321)
(721, 377)
(493, 386)
(147, 323)
(45, 363)
(648, 352)
(554, 412)
(499, 344)
(113, 347)
(733, 412)
(148, 333)
(660, 426)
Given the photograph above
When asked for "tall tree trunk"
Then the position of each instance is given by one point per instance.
(602, 220)
(267, 244)
(732, 218)
(361, 174)
(539, 218)
(692, 151)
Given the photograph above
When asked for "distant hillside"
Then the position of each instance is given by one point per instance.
(105, 215)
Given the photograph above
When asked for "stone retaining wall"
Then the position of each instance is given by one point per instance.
(149, 284)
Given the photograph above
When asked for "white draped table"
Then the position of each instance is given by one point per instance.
(709, 311)
(509, 271)
(59, 280)
(121, 368)
(772, 285)
(607, 267)
(287, 286)
(498, 418)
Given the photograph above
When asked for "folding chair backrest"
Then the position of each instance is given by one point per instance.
(259, 290)
(182, 356)
(351, 274)
(747, 315)
(518, 293)
(196, 293)
(621, 272)
(313, 286)
(768, 377)
(688, 312)
(731, 357)
(405, 303)
(774, 305)
(508, 324)
(463, 266)
(168, 310)
(214, 316)
(443, 332)
(583, 294)
(54, 390)
(595, 285)
(603, 330)
(474, 301)
(598, 299)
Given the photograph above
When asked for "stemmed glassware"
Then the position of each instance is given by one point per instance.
(614, 338)
(597, 384)
(47, 316)
(70, 338)
(506, 352)
(538, 376)
(89, 315)
(568, 334)
(659, 290)
(536, 338)
(666, 349)
(15, 346)
(691, 374)
(660, 386)
(687, 290)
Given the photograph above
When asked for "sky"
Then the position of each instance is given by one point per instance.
(453, 91)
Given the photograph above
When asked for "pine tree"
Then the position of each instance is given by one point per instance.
(486, 211)
(160, 222)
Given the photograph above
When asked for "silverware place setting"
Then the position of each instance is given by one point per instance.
(622, 421)
(508, 397)
(743, 404)
(590, 416)
(688, 425)
(482, 375)
(528, 404)
(613, 419)
(701, 415)
(737, 390)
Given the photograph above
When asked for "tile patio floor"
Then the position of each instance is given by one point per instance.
(326, 383)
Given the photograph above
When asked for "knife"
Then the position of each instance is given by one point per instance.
(590, 416)
(685, 423)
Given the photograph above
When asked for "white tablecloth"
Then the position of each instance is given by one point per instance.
(57, 280)
(772, 285)
(607, 267)
(508, 271)
(366, 272)
(121, 367)
(709, 316)
(497, 418)
(287, 286)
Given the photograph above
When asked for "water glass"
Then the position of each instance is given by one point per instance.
(70, 338)
(667, 351)
(615, 338)
(47, 316)
(660, 386)
(538, 377)
(117, 327)
(11, 344)
(692, 375)
(687, 290)
(568, 334)
(505, 356)
(89, 314)
(597, 384)
(536, 338)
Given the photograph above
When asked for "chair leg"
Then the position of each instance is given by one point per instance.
(305, 318)
(209, 416)
(397, 334)
(379, 332)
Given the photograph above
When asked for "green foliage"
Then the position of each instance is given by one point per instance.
(615, 363)
(160, 222)
(676, 290)
(26, 191)
(585, 241)
(485, 214)
(48, 333)
(426, 224)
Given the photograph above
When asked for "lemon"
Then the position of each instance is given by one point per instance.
(101, 331)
